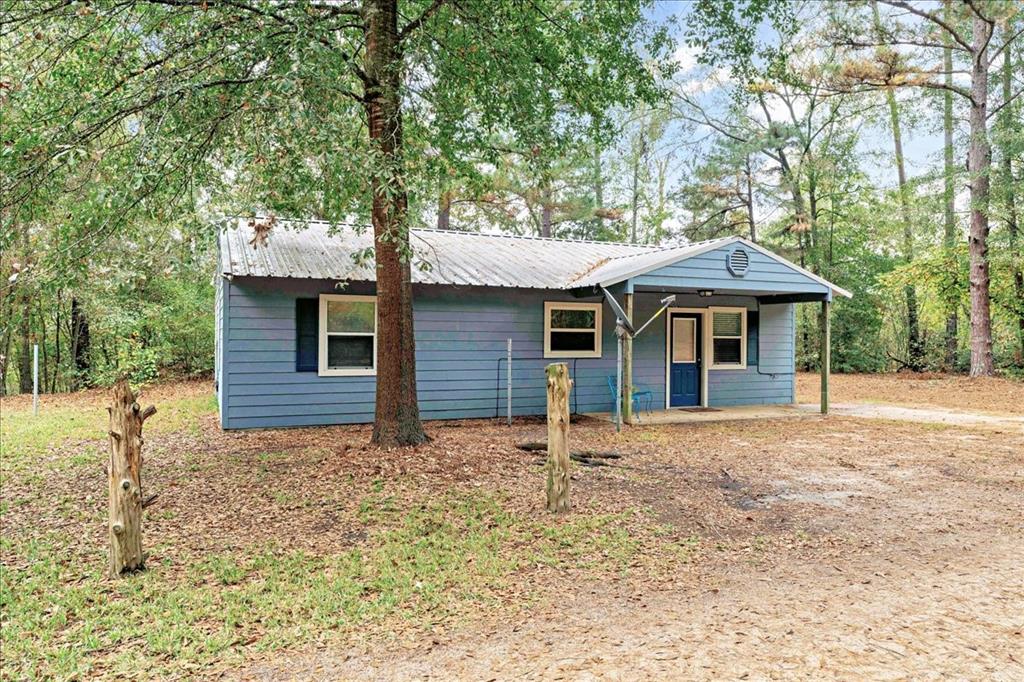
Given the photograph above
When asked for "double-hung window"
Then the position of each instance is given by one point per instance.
(728, 338)
(348, 335)
(572, 330)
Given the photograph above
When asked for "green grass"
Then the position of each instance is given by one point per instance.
(418, 559)
(63, 619)
(25, 437)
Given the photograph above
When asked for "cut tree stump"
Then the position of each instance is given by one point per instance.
(125, 474)
(559, 386)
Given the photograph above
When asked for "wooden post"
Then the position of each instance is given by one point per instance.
(825, 353)
(124, 471)
(559, 386)
(627, 365)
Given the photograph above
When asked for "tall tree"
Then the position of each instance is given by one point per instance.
(950, 237)
(970, 34)
(915, 353)
(307, 108)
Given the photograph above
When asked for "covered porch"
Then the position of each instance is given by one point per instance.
(725, 319)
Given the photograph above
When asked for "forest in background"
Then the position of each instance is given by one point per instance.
(787, 123)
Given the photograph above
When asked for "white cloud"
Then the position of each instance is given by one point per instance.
(686, 57)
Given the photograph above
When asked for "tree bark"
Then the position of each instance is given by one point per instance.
(636, 187)
(1008, 116)
(949, 233)
(397, 417)
(979, 165)
(444, 210)
(559, 386)
(748, 198)
(125, 480)
(25, 351)
(80, 345)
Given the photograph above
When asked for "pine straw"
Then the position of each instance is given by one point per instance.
(431, 538)
(987, 394)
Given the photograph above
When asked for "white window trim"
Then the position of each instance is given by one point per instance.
(559, 305)
(742, 364)
(322, 369)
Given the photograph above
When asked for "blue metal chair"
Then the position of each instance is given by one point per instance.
(638, 392)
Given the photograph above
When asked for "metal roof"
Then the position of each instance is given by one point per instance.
(320, 250)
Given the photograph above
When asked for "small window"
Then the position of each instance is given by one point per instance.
(348, 335)
(572, 330)
(728, 338)
(306, 334)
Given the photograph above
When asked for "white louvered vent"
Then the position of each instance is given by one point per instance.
(738, 262)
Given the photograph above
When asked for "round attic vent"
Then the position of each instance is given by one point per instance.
(738, 262)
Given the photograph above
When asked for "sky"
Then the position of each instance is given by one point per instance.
(922, 143)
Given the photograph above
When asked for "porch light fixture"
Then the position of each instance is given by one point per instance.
(705, 293)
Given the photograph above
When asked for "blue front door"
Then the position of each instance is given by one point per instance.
(684, 360)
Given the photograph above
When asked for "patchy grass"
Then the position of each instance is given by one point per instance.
(64, 619)
(266, 543)
(398, 558)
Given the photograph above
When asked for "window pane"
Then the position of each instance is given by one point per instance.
(350, 316)
(727, 351)
(572, 319)
(684, 346)
(728, 324)
(573, 341)
(350, 352)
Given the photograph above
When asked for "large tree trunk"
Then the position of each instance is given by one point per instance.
(397, 418)
(79, 345)
(125, 477)
(979, 165)
(949, 233)
(1008, 116)
(546, 213)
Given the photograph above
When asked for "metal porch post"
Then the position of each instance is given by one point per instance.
(825, 353)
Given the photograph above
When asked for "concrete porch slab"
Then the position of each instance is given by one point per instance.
(715, 414)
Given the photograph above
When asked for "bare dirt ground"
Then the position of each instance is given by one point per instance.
(778, 549)
(957, 392)
(834, 548)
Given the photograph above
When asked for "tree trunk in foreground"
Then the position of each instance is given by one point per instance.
(559, 386)
(397, 417)
(124, 471)
(979, 165)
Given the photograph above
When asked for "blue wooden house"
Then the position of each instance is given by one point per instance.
(296, 323)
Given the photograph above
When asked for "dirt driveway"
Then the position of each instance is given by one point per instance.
(836, 548)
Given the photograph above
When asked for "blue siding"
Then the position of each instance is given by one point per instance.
(771, 381)
(461, 336)
(708, 271)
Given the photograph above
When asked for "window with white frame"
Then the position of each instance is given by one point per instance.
(728, 338)
(348, 335)
(572, 330)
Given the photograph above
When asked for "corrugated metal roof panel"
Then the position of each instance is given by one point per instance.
(318, 250)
